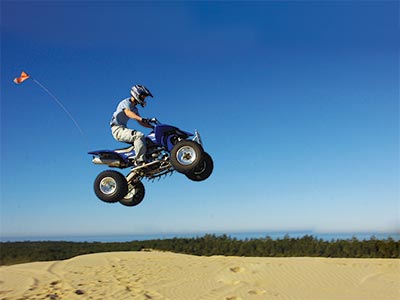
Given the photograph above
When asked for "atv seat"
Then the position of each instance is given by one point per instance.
(125, 150)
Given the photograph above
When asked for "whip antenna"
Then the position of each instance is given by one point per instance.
(60, 104)
(24, 76)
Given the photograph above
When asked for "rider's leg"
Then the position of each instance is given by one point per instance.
(134, 137)
(140, 146)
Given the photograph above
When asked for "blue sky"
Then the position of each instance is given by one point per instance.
(297, 102)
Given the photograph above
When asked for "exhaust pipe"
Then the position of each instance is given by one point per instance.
(105, 161)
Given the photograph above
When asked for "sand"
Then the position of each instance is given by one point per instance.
(163, 275)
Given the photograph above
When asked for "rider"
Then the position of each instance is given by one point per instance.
(127, 109)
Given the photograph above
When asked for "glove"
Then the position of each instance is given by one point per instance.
(149, 122)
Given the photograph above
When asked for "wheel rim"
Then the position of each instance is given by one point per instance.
(186, 155)
(131, 194)
(108, 185)
(134, 196)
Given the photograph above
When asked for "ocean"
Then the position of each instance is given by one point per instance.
(238, 235)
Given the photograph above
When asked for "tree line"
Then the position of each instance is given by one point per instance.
(207, 245)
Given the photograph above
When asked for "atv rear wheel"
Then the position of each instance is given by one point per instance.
(110, 186)
(203, 170)
(186, 155)
(135, 194)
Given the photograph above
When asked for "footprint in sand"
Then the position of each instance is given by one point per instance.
(237, 269)
(257, 292)
(233, 298)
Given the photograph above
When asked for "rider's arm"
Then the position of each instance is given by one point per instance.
(136, 117)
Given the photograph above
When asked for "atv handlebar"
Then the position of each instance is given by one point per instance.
(154, 121)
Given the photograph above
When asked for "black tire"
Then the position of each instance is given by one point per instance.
(186, 155)
(203, 170)
(110, 186)
(135, 194)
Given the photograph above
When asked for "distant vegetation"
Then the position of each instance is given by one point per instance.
(21, 252)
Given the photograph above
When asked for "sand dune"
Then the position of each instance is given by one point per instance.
(159, 275)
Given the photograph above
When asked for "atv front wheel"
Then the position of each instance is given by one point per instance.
(186, 155)
(203, 170)
(135, 194)
(110, 186)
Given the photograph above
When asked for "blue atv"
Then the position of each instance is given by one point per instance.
(169, 149)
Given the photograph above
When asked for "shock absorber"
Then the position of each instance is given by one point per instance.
(133, 176)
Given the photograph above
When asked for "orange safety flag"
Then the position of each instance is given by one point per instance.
(22, 78)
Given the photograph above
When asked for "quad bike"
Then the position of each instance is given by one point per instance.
(169, 149)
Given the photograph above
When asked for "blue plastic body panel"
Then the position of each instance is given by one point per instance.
(163, 135)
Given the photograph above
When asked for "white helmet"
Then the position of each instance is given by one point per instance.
(139, 92)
